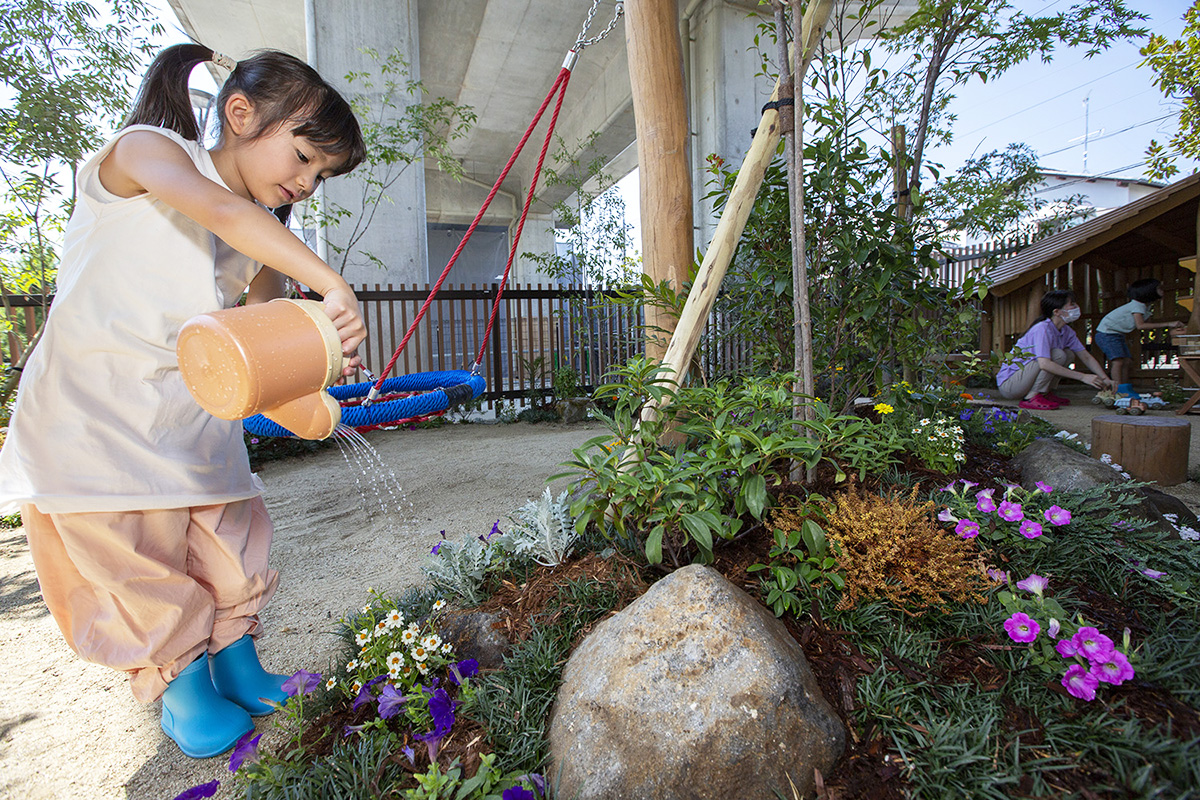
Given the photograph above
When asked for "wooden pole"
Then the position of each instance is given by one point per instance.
(733, 221)
(1193, 326)
(660, 116)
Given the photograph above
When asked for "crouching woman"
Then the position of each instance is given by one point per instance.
(1044, 351)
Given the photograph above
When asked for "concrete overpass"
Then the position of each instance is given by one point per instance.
(500, 57)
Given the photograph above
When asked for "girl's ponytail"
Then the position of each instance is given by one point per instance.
(163, 98)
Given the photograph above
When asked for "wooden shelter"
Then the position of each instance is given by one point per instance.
(1153, 237)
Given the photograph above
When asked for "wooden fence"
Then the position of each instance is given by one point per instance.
(958, 262)
(537, 330)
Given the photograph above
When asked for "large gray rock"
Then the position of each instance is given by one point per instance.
(1065, 469)
(693, 691)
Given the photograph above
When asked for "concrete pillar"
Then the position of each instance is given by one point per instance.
(396, 234)
(727, 94)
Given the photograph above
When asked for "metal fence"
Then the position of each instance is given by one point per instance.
(538, 330)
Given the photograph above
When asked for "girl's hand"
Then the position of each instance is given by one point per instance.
(342, 307)
(1096, 382)
(1175, 324)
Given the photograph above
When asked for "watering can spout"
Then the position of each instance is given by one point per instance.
(274, 359)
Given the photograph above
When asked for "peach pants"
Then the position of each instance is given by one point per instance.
(147, 592)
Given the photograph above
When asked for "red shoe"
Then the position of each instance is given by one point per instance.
(1053, 398)
(1039, 402)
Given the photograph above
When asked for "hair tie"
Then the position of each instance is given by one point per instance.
(222, 60)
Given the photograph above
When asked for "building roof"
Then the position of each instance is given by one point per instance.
(1156, 229)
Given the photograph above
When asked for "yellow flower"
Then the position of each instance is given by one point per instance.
(884, 408)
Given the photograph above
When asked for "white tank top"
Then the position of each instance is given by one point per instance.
(103, 421)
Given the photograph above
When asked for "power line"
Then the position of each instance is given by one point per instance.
(1047, 100)
(1104, 136)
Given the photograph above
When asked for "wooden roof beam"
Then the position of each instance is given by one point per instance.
(1172, 241)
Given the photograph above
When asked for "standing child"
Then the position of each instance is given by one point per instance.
(146, 527)
(1049, 344)
(1112, 330)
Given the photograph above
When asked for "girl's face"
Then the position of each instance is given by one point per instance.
(277, 168)
(280, 168)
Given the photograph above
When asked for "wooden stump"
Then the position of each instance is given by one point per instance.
(1148, 448)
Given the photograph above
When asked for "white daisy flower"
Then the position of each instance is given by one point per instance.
(362, 637)
(422, 668)
(420, 653)
(395, 660)
(439, 605)
(330, 684)
(352, 665)
(432, 641)
(395, 619)
(409, 636)
(447, 649)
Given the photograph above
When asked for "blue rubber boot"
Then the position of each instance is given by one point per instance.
(239, 677)
(201, 722)
(1127, 389)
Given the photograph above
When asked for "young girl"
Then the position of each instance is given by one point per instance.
(146, 527)
(1112, 330)
(1047, 342)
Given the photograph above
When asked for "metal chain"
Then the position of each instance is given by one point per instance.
(583, 41)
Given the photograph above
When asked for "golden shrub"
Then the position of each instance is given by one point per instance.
(890, 547)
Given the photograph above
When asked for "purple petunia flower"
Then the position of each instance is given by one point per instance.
(495, 530)
(1010, 511)
(1053, 628)
(1044, 487)
(436, 548)
(1093, 645)
(364, 695)
(967, 529)
(1066, 648)
(984, 501)
(410, 754)
(391, 702)
(303, 682)
(463, 669)
(196, 792)
(1021, 627)
(245, 750)
(950, 487)
(1030, 529)
(1153, 574)
(1116, 670)
(946, 515)
(1034, 583)
(518, 793)
(1080, 683)
(441, 708)
(968, 485)
(1057, 516)
(998, 575)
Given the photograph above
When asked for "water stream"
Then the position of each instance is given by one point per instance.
(377, 485)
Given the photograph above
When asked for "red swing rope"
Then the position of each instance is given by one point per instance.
(559, 87)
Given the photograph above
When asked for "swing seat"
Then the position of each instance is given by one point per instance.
(437, 392)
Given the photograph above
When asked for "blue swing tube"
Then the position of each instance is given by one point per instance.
(440, 391)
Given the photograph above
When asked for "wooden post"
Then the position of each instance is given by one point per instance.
(1148, 448)
(660, 116)
(1193, 326)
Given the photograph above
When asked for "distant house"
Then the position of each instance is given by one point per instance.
(1154, 236)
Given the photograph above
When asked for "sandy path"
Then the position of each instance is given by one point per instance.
(69, 729)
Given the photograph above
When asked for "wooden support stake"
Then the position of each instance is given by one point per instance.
(660, 116)
(729, 228)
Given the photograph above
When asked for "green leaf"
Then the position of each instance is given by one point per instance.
(654, 545)
(754, 489)
(698, 529)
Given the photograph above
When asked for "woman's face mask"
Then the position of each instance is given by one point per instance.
(1069, 315)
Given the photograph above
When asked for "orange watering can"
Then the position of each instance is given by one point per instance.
(274, 359)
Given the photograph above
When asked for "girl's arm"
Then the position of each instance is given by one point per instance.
(146, 162)
(1140, 323)
(1098, 380)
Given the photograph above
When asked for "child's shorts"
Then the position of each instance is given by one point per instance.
(1113, 345)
